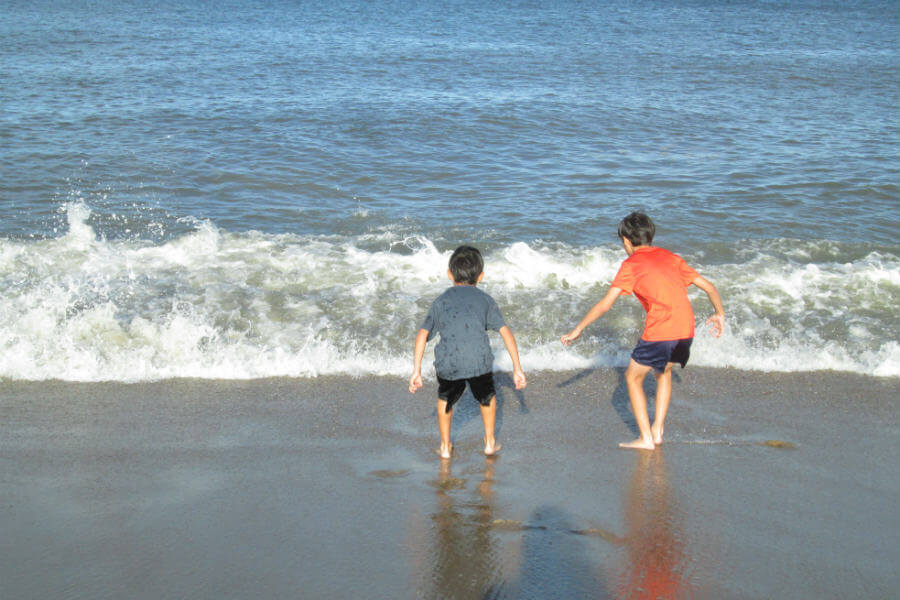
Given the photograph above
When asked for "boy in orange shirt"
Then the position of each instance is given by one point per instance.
(659, 279)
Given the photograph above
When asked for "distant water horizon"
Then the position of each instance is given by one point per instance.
(273, 190)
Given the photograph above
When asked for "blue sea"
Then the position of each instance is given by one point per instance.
(238, 189)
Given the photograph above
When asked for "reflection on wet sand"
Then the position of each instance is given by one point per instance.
(465, 557)
(655, 557)
(466, 561)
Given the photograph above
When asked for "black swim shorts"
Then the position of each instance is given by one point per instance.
(659, 354)
(452, 389)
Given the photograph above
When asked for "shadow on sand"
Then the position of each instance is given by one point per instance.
(469, 542)
(556, 560)
(619, 399)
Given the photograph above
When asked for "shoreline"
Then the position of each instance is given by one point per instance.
(767, 485)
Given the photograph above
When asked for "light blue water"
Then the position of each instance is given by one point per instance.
(272, 188)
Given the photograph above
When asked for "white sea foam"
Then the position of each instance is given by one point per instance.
(214, 304)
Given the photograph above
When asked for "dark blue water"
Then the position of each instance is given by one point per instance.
(373, 138)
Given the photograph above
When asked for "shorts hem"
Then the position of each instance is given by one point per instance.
(659, 354)
(481, 386)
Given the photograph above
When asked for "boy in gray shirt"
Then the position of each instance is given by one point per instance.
(462, 315)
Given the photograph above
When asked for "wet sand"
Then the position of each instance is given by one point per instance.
(767, 486)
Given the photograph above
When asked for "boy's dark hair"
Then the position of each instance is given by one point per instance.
(466, 265)
(638, 229)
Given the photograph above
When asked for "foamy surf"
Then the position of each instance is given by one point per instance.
(216, 304)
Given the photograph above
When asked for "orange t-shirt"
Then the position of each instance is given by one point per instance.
(659, 279)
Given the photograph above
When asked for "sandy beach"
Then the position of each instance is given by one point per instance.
(767, 486)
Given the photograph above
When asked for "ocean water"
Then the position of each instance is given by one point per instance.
(250, 189)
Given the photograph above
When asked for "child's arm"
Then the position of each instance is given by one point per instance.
(595, 313)
(415, 380)
(510, 341)
(717, 321)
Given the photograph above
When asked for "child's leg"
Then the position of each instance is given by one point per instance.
(663, 396)
(634, 377)
(444, 420)
(489, 417)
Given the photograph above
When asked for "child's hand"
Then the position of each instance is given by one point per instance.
(415, 382)
(716, 324)
(570, 337)
(519, 379)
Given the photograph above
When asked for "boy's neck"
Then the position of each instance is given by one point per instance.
(630, 248)
(455, 282)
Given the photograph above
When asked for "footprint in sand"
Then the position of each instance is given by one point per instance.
(390, 474)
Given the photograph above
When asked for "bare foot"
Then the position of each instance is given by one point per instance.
(657, 435)
(638, 444)
(444, 452)
(492, 448)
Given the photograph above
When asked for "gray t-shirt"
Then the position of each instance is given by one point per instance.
(462, 315)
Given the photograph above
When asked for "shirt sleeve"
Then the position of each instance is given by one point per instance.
(494, 320)
(688, 274)
(624, 279)
(428, 323)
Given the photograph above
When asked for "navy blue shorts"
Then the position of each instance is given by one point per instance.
(660, 354)
(452, 390)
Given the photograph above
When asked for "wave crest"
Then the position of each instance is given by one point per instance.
(214, 304)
